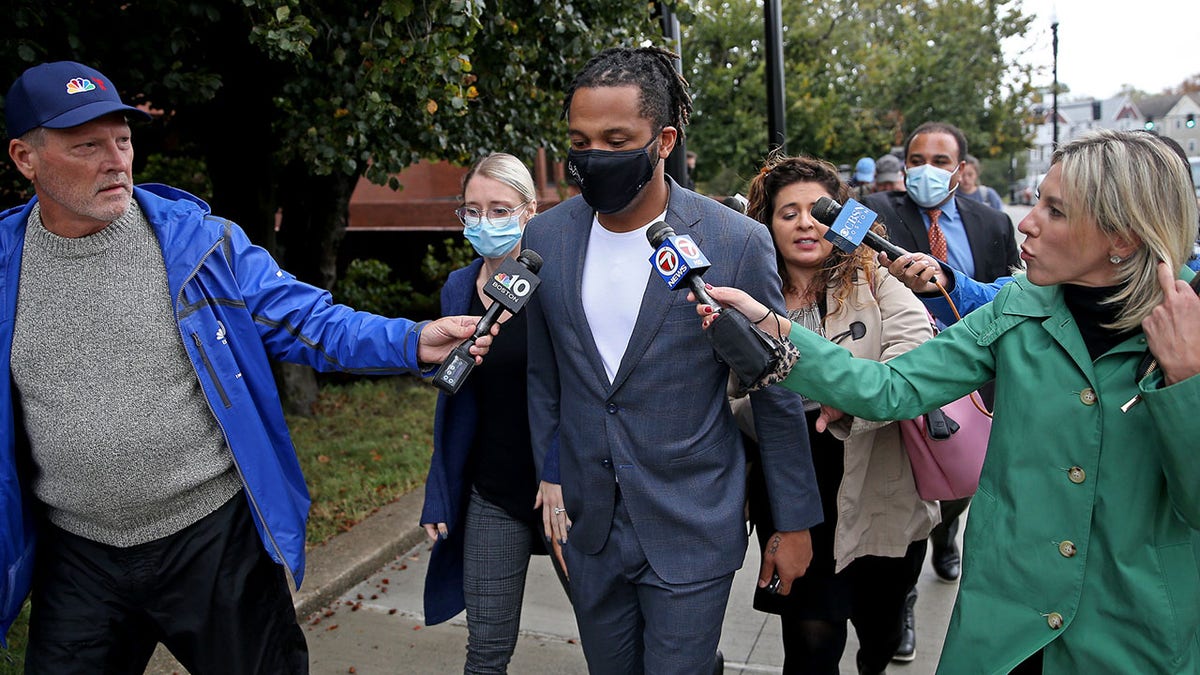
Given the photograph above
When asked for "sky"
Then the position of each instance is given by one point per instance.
(1104, 44)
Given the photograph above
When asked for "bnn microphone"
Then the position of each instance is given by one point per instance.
(749, 352)
(510, 289)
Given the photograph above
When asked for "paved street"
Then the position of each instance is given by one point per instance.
(376, 627)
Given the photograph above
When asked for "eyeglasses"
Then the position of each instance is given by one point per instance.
(472, 217)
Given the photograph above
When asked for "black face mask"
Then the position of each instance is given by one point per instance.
(610, 179)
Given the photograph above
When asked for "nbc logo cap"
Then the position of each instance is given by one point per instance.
(61, 95)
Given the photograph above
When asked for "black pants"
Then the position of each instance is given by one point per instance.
(209, 592)
(869, 592)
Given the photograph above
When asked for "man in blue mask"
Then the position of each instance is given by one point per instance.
(628, 407)
(930, 217)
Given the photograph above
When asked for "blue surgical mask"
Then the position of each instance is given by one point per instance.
(495, 238)
(928, 185)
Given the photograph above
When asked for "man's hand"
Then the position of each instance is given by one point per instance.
(788, 555)
(1172, 327)
(439, 337)
(918, 271)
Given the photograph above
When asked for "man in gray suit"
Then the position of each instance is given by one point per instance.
(930, 217)
(626, 397)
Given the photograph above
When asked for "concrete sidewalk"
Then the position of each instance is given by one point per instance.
(361, 610)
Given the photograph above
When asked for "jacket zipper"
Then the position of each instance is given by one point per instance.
(212, 373)
(225, 434)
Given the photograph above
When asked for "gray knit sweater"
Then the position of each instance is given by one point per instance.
(125, 446)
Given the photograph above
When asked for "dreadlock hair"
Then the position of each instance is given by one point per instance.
(664, 99)
(840, 270)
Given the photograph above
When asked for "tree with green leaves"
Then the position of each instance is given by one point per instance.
(287, 104)
(859, 74)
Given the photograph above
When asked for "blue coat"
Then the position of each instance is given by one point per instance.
(446, 488)
(237, 311)
(663, 426)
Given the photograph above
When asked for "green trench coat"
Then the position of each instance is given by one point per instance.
(1082, 538)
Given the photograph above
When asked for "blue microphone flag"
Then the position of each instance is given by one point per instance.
(851, 226)
(676, 258)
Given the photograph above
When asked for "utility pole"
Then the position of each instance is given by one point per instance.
(1054, 67)
(776, 124)
(677, 162)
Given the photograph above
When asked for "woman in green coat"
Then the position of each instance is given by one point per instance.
(1081, 548)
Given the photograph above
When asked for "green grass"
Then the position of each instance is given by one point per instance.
(367, 444)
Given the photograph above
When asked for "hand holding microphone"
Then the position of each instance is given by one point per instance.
(510, 289)
(749, 352)
(850, 227)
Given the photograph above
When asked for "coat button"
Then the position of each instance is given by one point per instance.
(1076, 474)
(1067, 549)
(1088, 396)
(606, 463)
(612, 408)
(1054, 620)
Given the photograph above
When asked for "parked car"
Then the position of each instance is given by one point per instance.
(1025, 190)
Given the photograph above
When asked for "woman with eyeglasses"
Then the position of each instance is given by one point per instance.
(484, 505)
(869, 550)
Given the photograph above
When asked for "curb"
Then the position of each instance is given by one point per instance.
(350, 557)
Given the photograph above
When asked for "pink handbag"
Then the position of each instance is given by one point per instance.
(947, 468)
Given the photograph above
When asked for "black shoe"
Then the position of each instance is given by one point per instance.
(719, 664)
(946, 562)
(907, 650)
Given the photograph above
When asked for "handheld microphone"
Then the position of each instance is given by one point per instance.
(678, 259)
(850, 226)
(748, 351)
(510, 289)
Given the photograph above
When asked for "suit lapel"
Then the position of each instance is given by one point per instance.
(978, 238)
(910, 215)
(573, 254)
(658, 299)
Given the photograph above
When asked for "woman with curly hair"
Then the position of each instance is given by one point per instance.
(869, 550)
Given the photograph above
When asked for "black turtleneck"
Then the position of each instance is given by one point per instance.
(1085, 304)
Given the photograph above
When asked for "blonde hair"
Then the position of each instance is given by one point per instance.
(507, 169)
(1135, 188)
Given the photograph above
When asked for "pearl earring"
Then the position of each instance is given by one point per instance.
(1114, 259)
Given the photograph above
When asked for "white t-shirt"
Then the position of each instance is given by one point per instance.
(615, 271)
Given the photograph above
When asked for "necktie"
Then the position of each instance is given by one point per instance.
(937, 240)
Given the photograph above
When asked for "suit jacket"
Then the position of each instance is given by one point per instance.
(989, 232)
(663, 426)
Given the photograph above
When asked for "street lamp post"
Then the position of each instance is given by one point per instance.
(773, 27)
(1054, 68)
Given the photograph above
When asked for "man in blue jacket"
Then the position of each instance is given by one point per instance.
(145, 461)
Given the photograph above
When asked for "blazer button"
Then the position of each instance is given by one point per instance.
(1054, 620)
(612, 408)
(1076, 474)
(1088, 396)
(606, 463)
(1067, 549)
